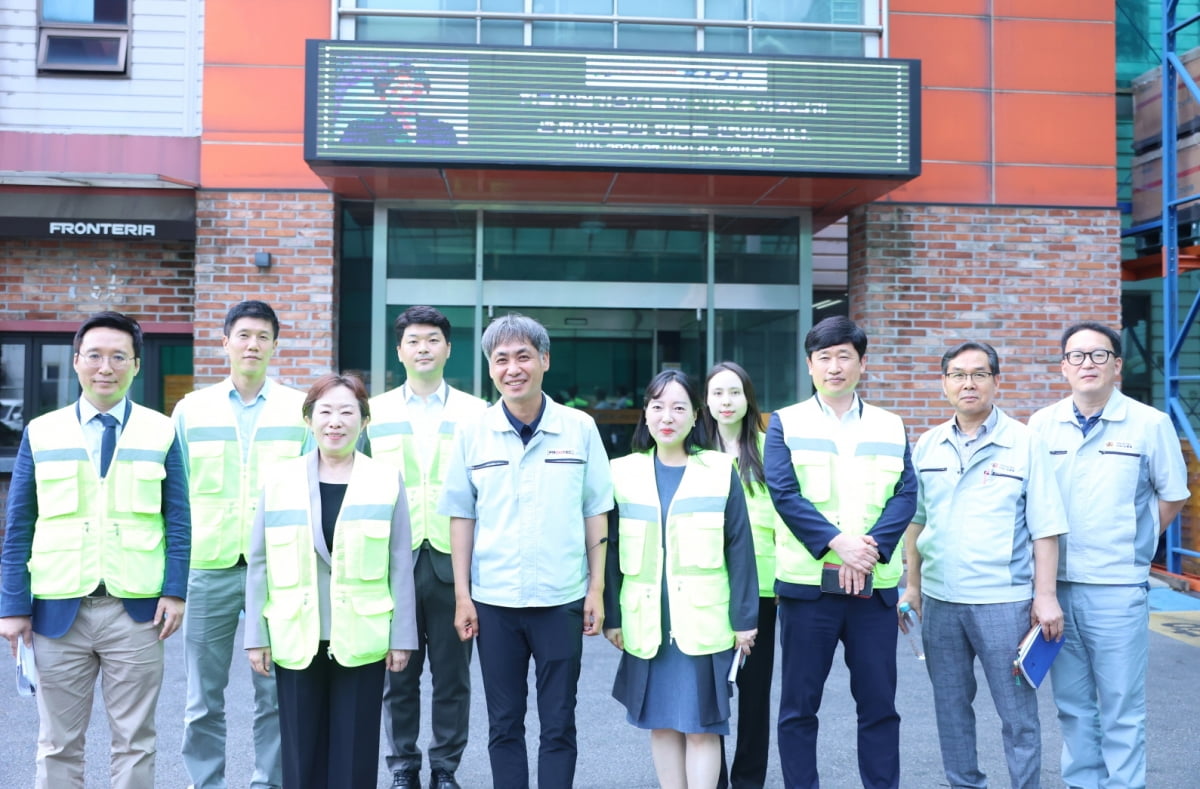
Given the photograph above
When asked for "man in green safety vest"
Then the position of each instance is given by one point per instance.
(95, 559)
(412, 428)
(230, 433)
(841, 476)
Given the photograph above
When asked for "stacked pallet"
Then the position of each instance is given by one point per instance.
(1148, 140)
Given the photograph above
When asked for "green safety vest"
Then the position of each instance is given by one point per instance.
(764, 523)
(696, 576)
(394, 442)
(360, 597)
(224, 490)
(90, 529)
(849, 490)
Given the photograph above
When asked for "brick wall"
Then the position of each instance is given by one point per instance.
(297, 229)
(67, 280)
(923, 278)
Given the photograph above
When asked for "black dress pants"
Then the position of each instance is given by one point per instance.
(753, 748)
(329, 723)
(553, 637)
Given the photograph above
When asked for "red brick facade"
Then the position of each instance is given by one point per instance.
(67, 280)
(923, 278)
(297, 229)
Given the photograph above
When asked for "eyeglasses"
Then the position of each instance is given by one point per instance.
(978, 377)
(118, 361)
(1099, 356)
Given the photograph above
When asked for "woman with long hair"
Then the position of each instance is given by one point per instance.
(681, 594)
(733, 424)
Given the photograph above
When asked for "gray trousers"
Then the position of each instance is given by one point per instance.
(449, 665)
(210, 623)
(954, 635)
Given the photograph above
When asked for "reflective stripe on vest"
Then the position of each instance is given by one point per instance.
(696, 576)
(849, 490)
(223, 489)
(394, 442)
(359, 593)
(89, 529)
(764, 522)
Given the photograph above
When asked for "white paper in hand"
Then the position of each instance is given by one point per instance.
(738, 661)
(27, 676)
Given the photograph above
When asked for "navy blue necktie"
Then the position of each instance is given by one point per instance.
(108, 444)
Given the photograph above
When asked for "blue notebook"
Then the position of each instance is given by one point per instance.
(1034, 656)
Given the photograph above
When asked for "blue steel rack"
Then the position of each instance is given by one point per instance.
(1175, 332)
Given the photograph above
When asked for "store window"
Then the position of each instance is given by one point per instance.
(84, 35)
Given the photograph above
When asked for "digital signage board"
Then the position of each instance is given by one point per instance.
(477, 106)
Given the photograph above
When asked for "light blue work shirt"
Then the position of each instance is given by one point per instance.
(529, 503)
(982, 514)
(1112, 481)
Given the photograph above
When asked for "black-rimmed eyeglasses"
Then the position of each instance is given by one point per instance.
(1098, 356)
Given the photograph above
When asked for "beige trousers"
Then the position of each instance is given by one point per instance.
(128, 657)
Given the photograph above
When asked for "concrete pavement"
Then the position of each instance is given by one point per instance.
(614, 754)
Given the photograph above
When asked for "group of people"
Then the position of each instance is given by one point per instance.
(365, 536)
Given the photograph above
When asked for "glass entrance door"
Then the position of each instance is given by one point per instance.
(602, 359)
(623, 293)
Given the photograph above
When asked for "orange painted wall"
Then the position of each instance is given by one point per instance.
(254, 92)
(1017, 107)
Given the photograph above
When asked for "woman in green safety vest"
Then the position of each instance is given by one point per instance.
(682, 590)
(329, 593)
(733, 423)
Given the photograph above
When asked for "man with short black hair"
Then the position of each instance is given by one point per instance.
(230, 433)
(982, 556)
(528, 493)
(842, 480)
(95, 559)
(1121, 471)
(412, 427)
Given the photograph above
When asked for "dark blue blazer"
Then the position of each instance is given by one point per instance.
(53, 618)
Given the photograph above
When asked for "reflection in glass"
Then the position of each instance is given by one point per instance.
(88, 12)
(759, 250)
(431, 244)
(594, 247)
(809, 42)
(12, 394)
(765, 343)
(726, 39)
(667, 38)
(417, 29)
(57, 384)
(725, 9)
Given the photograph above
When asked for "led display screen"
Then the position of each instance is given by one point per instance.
(623, 110)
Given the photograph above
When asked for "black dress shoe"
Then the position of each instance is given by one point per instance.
(440, 779)
(406, 779)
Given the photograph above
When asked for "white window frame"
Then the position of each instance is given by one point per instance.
(80, 31)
